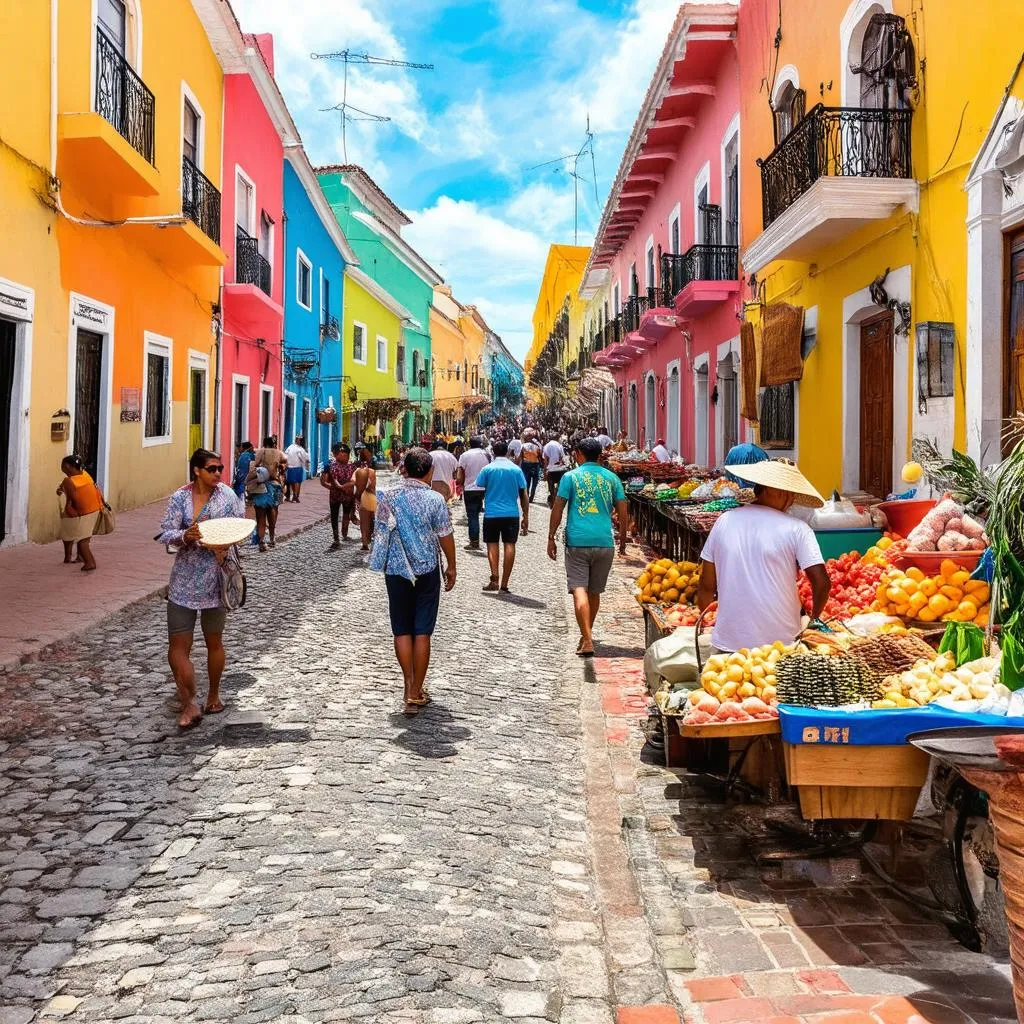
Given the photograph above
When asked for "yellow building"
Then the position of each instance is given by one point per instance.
(113, 175)
(856, 213)
(373, 359)
(448, 354)
(558, 324)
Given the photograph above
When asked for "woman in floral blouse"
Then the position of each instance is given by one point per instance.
(194, 590)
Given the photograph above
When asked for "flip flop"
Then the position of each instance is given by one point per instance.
(213, 709)
(414, 707)
(492, 587)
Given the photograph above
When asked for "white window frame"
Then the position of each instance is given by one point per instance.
(650, 265)
(384, 368)
(632, 276)
(240, 378)
(322, 319)
(732, 132)
(366, 335)
(106, 387)
(133, 43)
(158, 344)
(188, 94)
(306, 420)
(676, 216)
(651, 414)
(200, 361)
(285, 395)
(300, 259)
(703, 178)
(266, 429)
(251, 229)
(851, 39)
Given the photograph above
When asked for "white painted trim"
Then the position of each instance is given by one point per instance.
(384, 368)
(851, 36)
(703, 178)
(240, 378)
(301, 257)
(633, 412)
(285, 395)
(650, 410)
(675, 215)
(701, 439)
(617, 298)
(366, 338)
(857, 308)
(250, 228)
(201, 361)
(161, 345)
(266, 429)
(650, 266)
(188, 94)
(106, 331)
(787, 75)
(732, 132)
(675, 440)
(19, 467)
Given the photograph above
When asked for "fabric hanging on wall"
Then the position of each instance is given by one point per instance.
(749, 372)
(780, 344)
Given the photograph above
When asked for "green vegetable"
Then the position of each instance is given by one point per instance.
(965, 640)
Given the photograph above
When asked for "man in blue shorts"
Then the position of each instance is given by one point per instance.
(504, 488)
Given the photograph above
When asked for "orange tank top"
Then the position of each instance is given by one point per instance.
(83, 494)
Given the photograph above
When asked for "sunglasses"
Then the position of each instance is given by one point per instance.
(213, 469)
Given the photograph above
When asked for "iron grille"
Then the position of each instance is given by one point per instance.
(613, 331)
(200, 200)
(777, 417)
(711, 224)
(299, 361)
(331, 329)
(633, 311)
(851, 142)
(251, 267)
(122, 98)
(698, 263)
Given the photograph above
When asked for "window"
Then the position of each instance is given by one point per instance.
(266, 238)
(157, 387)
(617, 298)
(325, 299)
(240, 413)
(731, 196)
(307, 414)
(289, 419)
(245, 203)
(417, 361)
(633, 283)
(359, 343)
(649, 266)
(400, 364)
(789, 109)
(673, 234)
(698, 220)
(266, 411)
(303, 280)
(113, 19)
(382, 354)
(935, 360)
(190, 141)
(777, 423)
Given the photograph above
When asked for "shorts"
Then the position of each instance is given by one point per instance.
(501, 528)
(183, 620)
(368, 501)
(589, 568)
(413, 606)
(294, 475)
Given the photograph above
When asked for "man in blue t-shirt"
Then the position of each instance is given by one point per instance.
(504, 488)
(590, 492)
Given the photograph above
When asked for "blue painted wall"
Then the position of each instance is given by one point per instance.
(321, 385)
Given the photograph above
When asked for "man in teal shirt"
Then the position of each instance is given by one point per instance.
(590, 492)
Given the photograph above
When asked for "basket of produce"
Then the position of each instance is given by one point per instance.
(947, 531)
(949, 596)
(854, 585)
(667, 582)
(811, 679)
(737, 688)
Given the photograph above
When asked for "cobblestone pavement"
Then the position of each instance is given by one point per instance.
(333, 861)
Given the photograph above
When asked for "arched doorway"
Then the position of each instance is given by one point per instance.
(650, 411)
(631, 418)
(673, 410)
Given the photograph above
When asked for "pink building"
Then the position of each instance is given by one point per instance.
(663, 274)
(256, 124)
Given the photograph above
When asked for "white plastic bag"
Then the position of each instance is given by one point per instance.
(839, 515)
(674, 658)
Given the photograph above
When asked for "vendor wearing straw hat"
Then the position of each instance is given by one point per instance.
(751, 559)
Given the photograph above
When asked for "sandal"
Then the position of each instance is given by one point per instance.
(213, 709)
(413, 707)
(492, 587)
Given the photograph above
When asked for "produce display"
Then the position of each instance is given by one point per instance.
(951, 596)
(889, 653)
(810, 679)
(720, 488)
(737, 687)
(931, 680)
(854, 586)
(720, 505)
(686, 489)
(668, 582)
(882, 552)
(947, 528)
(687, 615)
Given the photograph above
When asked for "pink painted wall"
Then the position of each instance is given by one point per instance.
(699, 145)
(252, 144)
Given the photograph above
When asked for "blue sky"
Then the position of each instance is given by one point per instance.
(514, 81)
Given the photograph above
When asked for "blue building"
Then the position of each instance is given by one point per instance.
(316, 253)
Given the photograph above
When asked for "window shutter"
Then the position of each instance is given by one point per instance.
(779, 125)
(799, 106)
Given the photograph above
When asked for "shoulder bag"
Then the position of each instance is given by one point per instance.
(233, 586)
(105, 521)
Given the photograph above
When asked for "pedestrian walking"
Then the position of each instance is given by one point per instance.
(555, 467)
(81, 511)
(264, 487)
(244, 461)
(531, 455)
(337, 478)
(445, 465)
(515, 450)
(589, 493)
(298, 468)
(194, 590)
(470, 463)
(365, 479)
(504, 487)
(412, 522)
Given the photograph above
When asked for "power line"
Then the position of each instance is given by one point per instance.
(588, 146)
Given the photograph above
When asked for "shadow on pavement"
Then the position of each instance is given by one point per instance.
(430, 734)
(522, 602)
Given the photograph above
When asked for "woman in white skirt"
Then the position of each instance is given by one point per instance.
(82, 504)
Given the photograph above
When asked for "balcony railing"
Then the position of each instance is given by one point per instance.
(632, 311)
(330, 329)
(613, 331)
(251, 267)
(200, 200)
(849, 142)
(122, 97)
(698, 263)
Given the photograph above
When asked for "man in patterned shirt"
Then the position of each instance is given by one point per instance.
(412, 524)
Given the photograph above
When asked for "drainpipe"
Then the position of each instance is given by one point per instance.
(218, 371)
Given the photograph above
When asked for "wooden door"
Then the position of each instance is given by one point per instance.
(1013, 363)
(876, 410)
(197, 408)
(88, 387)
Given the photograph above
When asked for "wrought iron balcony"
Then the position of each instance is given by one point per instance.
(834, 142)
(251, 267)
(200, 200)
(698, 263)
(613, 331)
(633, 311)
(299, 361)
(123, 99)
(329, 329)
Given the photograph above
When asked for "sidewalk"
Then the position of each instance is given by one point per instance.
(43, 601)
(726, 939)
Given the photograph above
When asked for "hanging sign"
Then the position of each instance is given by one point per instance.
(86, 315)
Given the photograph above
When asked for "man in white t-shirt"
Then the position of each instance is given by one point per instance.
(298, 468)
(751, 559)
(604, 437)
(445, 465)
(555, 467)
(515, 449)
(471, 461)
(660, 452)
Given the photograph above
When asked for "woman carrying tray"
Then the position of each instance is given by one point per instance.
(194, 590)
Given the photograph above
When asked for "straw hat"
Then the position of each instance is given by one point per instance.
(784, 476)
(224, 532)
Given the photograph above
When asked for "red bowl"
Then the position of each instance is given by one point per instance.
(929, 561)
(903, 516)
